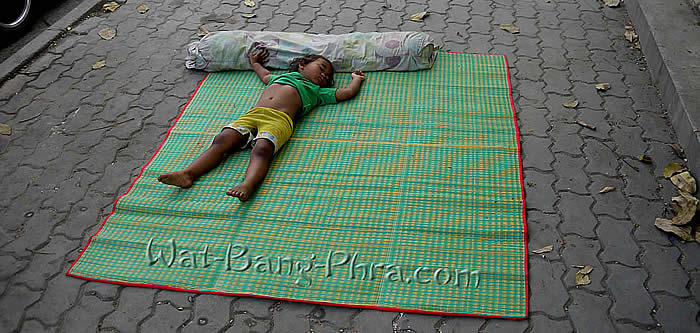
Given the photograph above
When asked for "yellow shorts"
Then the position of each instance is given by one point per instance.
(270, 124)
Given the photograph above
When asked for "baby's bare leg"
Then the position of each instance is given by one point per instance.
(259, 163)
(223, 142)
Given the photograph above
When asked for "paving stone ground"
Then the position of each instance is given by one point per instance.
(81, 135)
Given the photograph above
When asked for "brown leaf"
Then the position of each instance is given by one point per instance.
(5, 129)
(602, 86)
(202, 31)
(418, 16)
(510, 28)
(667, 226)
(249, 3)
(688, 206)
(612, 3)
(571, 104)
(142, 9)
(607, 189)
(107, 33)
(672, 169)
(99, 64)
(685, 182)
(586, 125)
(110, 6)
(644, 158)
(582, 277)
(631, 36)
(248, 15)
(545, 249)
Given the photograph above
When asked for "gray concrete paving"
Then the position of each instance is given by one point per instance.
(62, 167)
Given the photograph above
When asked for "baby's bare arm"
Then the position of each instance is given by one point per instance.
(257, 59)
(351, 90)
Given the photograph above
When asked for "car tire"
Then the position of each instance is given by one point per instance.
(16, 15)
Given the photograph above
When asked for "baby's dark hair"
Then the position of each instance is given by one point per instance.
(309, 58)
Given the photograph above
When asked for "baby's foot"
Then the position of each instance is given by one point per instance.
(177, 178)
(241, 191)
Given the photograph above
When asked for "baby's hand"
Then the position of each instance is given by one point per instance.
(260, 56)
(357, 74)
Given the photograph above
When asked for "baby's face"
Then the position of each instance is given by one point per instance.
(318, 72)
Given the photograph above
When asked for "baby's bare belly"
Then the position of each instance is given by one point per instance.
(281, 97)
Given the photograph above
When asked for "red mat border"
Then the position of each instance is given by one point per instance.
(146, 285)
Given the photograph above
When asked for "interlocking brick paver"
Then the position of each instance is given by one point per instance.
(545, 324)
(542, 231)
(13, 302)
(676, 315)
(166, 318)
(58, 297)
(665, 272)
(246, 323)
(494, 325)
(103, 291)
(643, 213)
(536, 152)
(579, 251)
(381, 321)
(134, 304)
(548, 293)
(417, 323)
(571, 174)
(566, 138)
(31, 326)
(211, 313)
(576, 214)
(86, 316)
(611, 203)
(588, 312)
(618, 244)
(291, 317)
(46, 263)
(33, 232)
(538, 191)
(601, 158)
(632, 301)
(639, 182)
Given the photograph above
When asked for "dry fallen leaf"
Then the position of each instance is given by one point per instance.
(107, 33)
(248, 15)
(688, 206)
(202, 31)
(249, 3)
(545, 249)
(644, 158)
(99, 64)
(571, 104)
(667, 226)
(547, 1)
(582, 277)
(673, 168)
(586, 125)
(631, 36)
(685, 182)
(110, 6)
(142, 9)
(418, 16)
(510, 28)
(603, 86)
(607, 189)
(5, 129)
(612, 3)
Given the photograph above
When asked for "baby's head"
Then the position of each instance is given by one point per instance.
(314, 67)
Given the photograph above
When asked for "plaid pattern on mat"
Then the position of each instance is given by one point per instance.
(408, 197)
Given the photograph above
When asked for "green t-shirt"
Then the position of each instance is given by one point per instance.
(311, 94)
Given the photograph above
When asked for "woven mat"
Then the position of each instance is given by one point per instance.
(407, 197)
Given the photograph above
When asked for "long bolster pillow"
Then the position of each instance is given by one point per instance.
(366, 51)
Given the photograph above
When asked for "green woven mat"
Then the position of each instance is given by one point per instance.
(408, 197)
